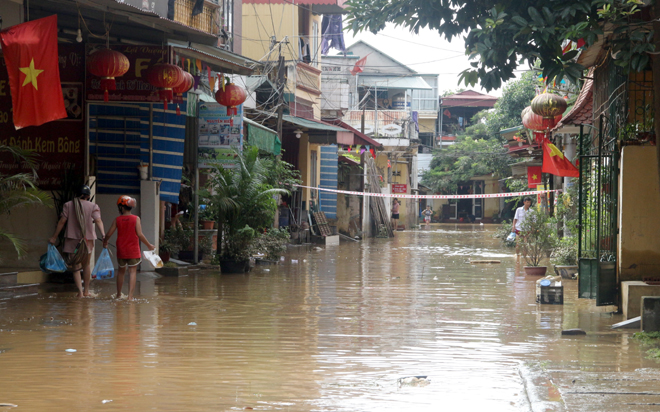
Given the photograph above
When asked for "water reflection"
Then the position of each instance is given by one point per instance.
(333, 331)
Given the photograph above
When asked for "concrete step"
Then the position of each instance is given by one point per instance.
(9, 278)
(18, 291)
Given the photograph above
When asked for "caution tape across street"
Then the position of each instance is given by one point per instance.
(407, 196)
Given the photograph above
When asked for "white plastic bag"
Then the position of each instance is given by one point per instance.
(511, 237)
(153, 258)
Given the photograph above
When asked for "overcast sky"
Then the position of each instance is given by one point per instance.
(424, 53)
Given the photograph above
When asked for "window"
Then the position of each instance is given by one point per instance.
(228, 24)
(315, 43)
(426, 99)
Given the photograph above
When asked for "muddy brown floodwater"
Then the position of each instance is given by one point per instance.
(326, 330)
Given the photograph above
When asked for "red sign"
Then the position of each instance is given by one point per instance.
(132, 86)
(397, 188)
(60, 144)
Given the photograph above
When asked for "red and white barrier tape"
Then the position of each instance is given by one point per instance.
(407, 196)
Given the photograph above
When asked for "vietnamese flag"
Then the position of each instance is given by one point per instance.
(359, 65)
(30, 51)
(555, 163)
(533, 176)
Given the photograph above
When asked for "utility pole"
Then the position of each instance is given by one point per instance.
(280, 93)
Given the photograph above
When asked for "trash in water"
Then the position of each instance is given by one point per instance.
(8, 405)
(294, 261)
(435, 278)
(106, 401)
(71, 350)
(192, 324)
(304, 260)
(282, 258)
(414, 381)
(266, 270)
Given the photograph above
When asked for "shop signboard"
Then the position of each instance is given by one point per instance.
(132, 86)
(219, 136)
(399, 188)
(58, 145)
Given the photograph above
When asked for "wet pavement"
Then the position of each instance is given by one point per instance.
(343, 328)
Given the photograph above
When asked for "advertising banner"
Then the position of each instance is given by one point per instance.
(219, 136)
(59, 145)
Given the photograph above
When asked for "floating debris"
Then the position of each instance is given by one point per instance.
(71, 350)
(414, 381)
(474, 262)
(106, 401)
(192, 324)
(8, 405)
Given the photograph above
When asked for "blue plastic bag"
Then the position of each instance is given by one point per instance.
(52, 261)
(103, 268)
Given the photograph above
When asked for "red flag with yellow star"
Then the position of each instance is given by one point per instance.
(533, 176)
(30, 51)
(555, 163)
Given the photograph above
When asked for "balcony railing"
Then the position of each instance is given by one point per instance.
(207, 21)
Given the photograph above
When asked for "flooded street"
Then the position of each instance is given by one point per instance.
(326, 330)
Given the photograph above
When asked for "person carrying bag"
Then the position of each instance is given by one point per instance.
(79, 215)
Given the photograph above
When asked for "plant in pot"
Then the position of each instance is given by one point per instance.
(565, 255)
(536, 241)
(272, 244)
(245, 204)
(175, 241)
(565, 258)
(206, 216)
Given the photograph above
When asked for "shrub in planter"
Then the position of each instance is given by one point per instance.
(176, 239)
(537, 238)
(272, 243)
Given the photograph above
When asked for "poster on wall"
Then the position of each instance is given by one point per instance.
(399, 188)
(219, 136)
(58, 145)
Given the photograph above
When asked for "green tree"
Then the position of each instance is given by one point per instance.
(243, 203)
(464, 160)
(18, 191)
(500, 36)
(516, 96)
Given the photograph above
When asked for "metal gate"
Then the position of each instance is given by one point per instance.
(598, 216)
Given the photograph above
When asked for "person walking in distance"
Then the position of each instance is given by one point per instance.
(79, 215)
(395, 214)
(129, 235)
(427, 215)
(519, 217)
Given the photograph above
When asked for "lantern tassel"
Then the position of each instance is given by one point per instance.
(178, 110)
(106, 96)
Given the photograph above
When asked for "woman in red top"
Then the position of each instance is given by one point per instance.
(129, 235)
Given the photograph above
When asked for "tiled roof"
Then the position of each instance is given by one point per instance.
(582, 111)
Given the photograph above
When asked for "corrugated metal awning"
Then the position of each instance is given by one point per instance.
(311, 124)
(264, 138)
(394, 82)
(219, 60)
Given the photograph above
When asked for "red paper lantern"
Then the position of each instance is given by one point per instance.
(183, 87)
(549, 106)
(533, 121)
(165, 77)
(231, 97)
(107, 64)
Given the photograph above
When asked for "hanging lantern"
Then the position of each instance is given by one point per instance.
(549, 106)
(231, 97)
(183, 87)
(107, 64)
(165, 77)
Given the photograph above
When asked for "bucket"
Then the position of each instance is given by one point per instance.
(144, 171)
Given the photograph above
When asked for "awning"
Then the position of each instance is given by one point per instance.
(318, 6)
(311, 124)
(358, 137)
(264, 138)
(219, 60)
(394, 82)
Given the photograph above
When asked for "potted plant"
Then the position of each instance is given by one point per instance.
(536, 241)
(271, 244)
(206, 216)
(565, 258)
(175, 241)
(245, 204)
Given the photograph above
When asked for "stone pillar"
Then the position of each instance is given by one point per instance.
(651, 313)
(149, 215)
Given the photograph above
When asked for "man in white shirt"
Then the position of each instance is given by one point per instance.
(519, 217)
